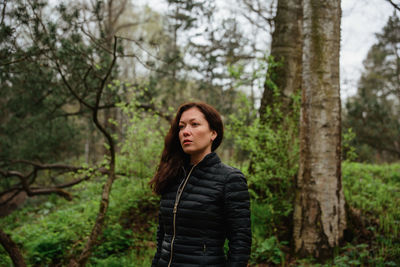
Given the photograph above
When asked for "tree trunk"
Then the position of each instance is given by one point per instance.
(285, 77)
(319, 213)
(105, 196)
(12, 250)
(286, 48)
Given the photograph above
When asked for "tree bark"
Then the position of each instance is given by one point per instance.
(286, 48)
(319, 213)
(12, 250)
(283, 78)
(105, 196)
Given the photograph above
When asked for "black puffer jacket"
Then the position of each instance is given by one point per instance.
(212, 205)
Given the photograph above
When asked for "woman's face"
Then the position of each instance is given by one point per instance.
(195, 135)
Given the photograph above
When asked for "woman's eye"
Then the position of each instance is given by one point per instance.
(181, 126)
(195, 124)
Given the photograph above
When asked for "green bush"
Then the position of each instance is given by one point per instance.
(143, 141)
(267, 153)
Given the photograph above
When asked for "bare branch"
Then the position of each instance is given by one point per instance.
(94, 41)
(59, 69)
(3, 12)
(11, 174)
(396, 6)
(15, 61)
(127, 25)
(69, 87)
(259, 12)
(258, 25)
(147, 66)
(142, 48)
(119, 12)
(14, 192)
(74, 182)
(98, 97)
(12, 249)
(48, 191)
(25, 184)
(103, 82)
(98, 225)
(41, 166)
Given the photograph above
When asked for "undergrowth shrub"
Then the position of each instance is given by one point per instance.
(143, 141)
(55, 225)
(49, 239)
(268, 156)
(57, 229)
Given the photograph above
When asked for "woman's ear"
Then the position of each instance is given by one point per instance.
(213, 135)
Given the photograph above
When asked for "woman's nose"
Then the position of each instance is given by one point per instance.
(186, 131)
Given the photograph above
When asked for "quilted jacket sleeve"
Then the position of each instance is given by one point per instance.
(160, 237)
(237, 212)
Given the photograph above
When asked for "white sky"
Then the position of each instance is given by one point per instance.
(361, 19)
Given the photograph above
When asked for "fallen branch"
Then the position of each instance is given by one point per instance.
(12, 249)
(26, 180)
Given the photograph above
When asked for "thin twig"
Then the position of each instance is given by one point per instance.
(396, 6)
(3, 12)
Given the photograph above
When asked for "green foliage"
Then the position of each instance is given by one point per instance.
(115, 240)
(50, 237)
(51, 234)
(348, 151)
(143, 141)
(359, 255)
(58, 228)
(35, 104)
(133, 258)
(268, 154)
(374, 191)
(268, 250)
(268, 151)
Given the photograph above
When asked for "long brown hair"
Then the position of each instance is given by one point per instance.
(173, 157)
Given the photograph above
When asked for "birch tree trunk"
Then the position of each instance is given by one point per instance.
(319, 213)
(286, 48)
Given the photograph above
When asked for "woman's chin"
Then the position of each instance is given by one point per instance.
(188, 151)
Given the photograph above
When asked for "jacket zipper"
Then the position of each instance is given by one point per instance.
(177, 198)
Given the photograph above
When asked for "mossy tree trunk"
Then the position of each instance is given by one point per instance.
(286, 49)
(319, 215)
(283, 78)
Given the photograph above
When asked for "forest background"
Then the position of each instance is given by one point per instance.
(88, 89)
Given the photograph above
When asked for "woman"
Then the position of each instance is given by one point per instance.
(203, 201)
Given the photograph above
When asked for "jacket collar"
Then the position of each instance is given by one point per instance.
(210, 159)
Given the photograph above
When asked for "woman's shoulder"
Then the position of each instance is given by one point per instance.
(215, 167)
(230, 169)
(232, 174)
